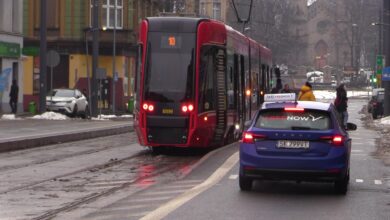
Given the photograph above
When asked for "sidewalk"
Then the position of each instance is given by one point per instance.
(24, 132)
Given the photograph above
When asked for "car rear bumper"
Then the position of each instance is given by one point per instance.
(304, 175)
(327, 168)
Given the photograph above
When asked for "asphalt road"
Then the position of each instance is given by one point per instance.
(211, 191)
(75, 181)
(368, 196)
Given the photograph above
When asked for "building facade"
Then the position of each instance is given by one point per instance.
(11, 42)
(329, 42)
(69, 34)
(215, 9)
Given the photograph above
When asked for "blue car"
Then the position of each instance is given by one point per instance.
(295, 140)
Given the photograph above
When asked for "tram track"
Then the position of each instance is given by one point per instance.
(119, 166)
(86, 143)
(86, 199)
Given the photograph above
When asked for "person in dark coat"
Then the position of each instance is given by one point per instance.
(341, 103)
(286, 89)
(13, 96)
(278, 86)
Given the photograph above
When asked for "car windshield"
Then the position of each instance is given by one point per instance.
(170, 71)
(307, 120)
(62, 93)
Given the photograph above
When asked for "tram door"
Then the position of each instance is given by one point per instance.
(239, 88)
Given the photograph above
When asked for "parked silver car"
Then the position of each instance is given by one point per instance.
(68, 101)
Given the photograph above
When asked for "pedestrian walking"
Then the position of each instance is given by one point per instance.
(341, 103)
(13, 96)
(306, 93)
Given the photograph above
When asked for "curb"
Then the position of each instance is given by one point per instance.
(39, 141)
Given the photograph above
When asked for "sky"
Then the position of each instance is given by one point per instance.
(309, 2)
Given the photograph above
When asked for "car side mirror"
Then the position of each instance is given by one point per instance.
(247, 124)
(351, 126)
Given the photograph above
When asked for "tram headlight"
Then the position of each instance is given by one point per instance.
(148, 107)
(187, 108)
(145, 106)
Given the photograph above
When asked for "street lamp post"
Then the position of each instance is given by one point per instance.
(114, 76)
(353, 46)
(95, 55)
(87, 64)
(42, 55)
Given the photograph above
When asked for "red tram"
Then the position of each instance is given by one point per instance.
(197, 82)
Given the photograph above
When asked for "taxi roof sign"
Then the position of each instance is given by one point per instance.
(280, 97)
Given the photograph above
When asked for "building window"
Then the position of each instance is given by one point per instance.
(202, 8)
(217, 10)
(112, 11)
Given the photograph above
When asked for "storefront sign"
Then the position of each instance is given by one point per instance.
(9, 49)
(386, 74)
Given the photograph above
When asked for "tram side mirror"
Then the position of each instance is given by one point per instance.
(351, 126)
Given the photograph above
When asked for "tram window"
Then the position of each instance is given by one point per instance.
(207, 70)
(138, 77)
(230, 89)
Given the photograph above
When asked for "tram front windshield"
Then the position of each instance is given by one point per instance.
(170, 67)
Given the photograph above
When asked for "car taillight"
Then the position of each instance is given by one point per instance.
(247, 138)
(148, 107)
(336, 140)
(187, 108)
(250, 138)
(294, 109)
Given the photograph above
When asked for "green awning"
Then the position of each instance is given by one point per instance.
(9, 49)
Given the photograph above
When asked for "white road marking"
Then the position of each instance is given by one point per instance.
(233, 177)
(169, 207)
(378, 182)
(151, 199)
(359, 180)
(165, 192)
(355, 151)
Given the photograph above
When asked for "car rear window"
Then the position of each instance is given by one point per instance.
(286, 120)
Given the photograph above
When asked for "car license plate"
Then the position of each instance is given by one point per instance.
(167, 111)
(293, 144)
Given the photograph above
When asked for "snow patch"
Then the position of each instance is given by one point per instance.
(385, 121)
(107, 117)
(51, 116)
(9, 117)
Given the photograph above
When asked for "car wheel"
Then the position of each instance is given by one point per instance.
(341, 185)
(85, 113)
(245, 183)
(75, 110)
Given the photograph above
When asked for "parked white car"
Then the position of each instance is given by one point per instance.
(68, 101)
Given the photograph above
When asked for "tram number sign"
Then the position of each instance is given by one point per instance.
(167, 111)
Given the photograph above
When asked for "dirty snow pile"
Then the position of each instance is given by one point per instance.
(51, 116)
(9, 117)
(385, 121)
(323, 94)
(107, 117)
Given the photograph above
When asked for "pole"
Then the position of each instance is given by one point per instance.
(386, 44)
(352, 47)
(95, 54)
(113, 61)
(87, 64)
(42, 59)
